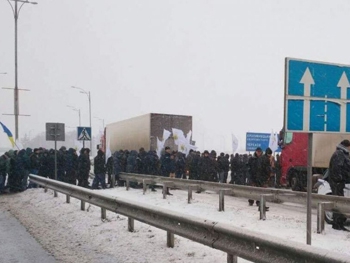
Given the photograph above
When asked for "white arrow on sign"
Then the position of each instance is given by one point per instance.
(307, 80)
(343, 84)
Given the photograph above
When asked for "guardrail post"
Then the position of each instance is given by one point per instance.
(189, 198)
(82, 205)
(164, 191)
(170, 240)
(320, 218)
(103, 213)
(55, 194)
(321, 212)
(67, 199)
(127, 184)
(221, 200)
(262, 207)
(45, 189)
(130, 224)
(112, 181)
(231, 258)
(144, 186)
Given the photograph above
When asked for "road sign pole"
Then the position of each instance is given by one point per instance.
(55, 193)
(309, 189)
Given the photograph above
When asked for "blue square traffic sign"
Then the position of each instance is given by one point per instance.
(316, 97)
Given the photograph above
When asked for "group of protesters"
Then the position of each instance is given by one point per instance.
(15, 167)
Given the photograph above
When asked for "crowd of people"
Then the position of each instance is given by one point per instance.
(15, 166)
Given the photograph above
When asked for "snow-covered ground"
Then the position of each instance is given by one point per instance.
(72, 235)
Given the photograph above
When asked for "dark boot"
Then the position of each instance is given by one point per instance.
(251, 202)
(167, 191)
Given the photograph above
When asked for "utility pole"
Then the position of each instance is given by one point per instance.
(16, 11)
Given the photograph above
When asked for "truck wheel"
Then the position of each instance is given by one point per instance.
(294, 182)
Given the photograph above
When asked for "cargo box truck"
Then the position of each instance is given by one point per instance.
(143, 131)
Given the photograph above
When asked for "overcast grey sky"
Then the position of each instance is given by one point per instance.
(220, 61)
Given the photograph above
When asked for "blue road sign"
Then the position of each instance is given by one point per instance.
(84, 133)
(316, 97)
(255, 140)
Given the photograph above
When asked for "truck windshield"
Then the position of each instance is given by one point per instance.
(288, 137)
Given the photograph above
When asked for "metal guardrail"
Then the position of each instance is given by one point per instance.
(341, 204)
(232, 240)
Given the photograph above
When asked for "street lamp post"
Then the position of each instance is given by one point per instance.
(89, 97)
(78, 110)
(102, 120)
(16, 11)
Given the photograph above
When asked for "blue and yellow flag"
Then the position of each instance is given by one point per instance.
(9, 134)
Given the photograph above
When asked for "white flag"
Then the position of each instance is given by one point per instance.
(108, 152)
(273, 142)
(178, 136)
(188, 136)
(234, 143)
(166, 135)
(160, 145)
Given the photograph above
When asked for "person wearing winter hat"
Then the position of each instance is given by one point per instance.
(339, 170)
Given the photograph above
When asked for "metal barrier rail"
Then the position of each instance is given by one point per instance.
(341, 204)
(232, 240)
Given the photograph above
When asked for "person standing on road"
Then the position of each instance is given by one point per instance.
(254, 164)
(167, 165)
(339, 169)
(99, 170)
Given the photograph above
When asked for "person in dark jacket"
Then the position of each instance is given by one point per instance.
(152, 165)
(222, 167)
(99, 170)
(254, 167)
(192, 165)
(34, 166)
(117, 165)
(131, 166)
(61, 158)
(339, 169)
(84, 166)
(207, 170)
(179, 165)
(71, 167)
(167, 165)
(4, 169)
(109, 168)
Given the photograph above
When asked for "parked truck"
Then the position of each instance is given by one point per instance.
(295, 151)
(143, 131)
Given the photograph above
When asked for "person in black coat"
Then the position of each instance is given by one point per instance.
(339, 169)
(179, 165)
(71, 167)
(99, 170)
(207, 168)
(84, 166)
(167, 165)
(117, 166)
(254, 165)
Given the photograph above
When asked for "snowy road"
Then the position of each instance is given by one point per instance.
(16, 244)
(72, 235)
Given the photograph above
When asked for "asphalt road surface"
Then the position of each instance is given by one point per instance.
(17, 245)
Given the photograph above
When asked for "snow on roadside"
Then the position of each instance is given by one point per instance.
(72, 235)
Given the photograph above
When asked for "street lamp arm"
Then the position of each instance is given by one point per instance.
(13, 10)
(19, 10)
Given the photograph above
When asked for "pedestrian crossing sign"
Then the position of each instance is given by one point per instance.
(84, 133)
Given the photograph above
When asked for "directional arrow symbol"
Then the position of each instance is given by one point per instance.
(307, 80)
(343, 84)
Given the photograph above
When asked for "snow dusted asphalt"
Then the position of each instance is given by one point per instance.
(72, 235)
